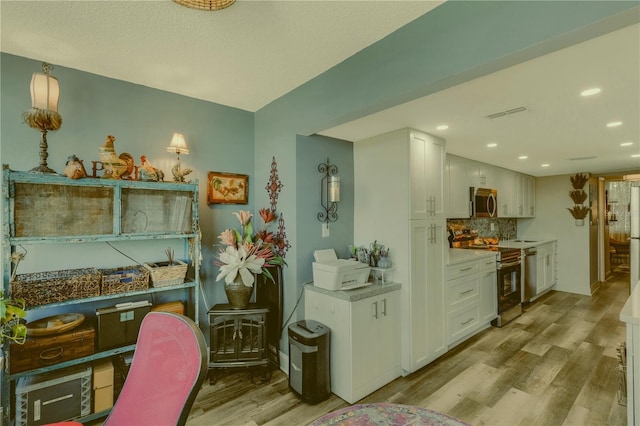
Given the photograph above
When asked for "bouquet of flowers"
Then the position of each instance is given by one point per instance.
(244, 253)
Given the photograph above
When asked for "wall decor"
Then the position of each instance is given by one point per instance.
(274, 186)
(227, 188)
(578, 196)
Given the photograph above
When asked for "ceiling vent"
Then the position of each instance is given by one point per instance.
(591, 157)
(507, 112)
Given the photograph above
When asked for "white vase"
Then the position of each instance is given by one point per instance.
(579, 222)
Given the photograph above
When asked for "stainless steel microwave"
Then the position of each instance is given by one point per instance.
(484, 202)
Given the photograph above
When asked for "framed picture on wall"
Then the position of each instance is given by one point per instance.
(227, 188)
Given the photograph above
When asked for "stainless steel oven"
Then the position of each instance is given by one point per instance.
(509, 286)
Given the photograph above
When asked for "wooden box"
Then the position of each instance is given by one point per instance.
(39, 352)
(176, 307)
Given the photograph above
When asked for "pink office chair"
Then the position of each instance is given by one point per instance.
(169, 364)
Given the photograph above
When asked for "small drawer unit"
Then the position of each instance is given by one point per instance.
(462, 269)
(53, 397)
(461, 291)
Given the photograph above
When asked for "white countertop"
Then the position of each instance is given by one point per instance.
(358, 293)
(630, 313)
(457, 255)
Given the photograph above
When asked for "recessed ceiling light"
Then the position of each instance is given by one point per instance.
(492, 145)
(442, 127)
(626, 144)
(635, 156)
(523, 157)
(544, 165)
(590, 92)
(614, 124)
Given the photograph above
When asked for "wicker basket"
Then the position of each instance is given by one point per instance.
(41, 288)
(124, 280)
(165, 275)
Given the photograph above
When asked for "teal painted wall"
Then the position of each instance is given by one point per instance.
(311, 151)
(143, 120)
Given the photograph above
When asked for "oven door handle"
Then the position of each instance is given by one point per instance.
(509, 264)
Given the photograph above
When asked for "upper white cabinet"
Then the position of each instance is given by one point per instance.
(508, 188)
(462, 174)
(516, 192)
(426, 155)
(399, 190)
(527, 196)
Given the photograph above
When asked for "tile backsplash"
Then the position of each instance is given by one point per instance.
(503, 228)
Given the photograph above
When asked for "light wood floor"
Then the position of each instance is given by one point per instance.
(554, 365)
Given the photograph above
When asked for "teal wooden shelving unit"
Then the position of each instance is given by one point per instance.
(56, 211)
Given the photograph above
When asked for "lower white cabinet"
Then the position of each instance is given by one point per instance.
(545, 267)
(365, 336)
(471, 297)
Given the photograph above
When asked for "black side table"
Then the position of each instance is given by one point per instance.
(238, 338)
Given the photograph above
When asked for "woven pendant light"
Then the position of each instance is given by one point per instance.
(206, 4)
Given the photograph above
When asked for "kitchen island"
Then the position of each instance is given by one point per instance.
(630, 314)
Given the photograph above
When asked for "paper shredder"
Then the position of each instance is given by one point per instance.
(309, 360)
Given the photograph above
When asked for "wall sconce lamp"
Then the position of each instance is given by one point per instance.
(329, 192)
(43, 114)
(179, 146)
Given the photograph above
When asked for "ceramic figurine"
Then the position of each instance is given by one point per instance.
(75, 168)
(148, 172)
(114, 167)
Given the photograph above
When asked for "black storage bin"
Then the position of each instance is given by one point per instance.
(119, 325)
(309, 360)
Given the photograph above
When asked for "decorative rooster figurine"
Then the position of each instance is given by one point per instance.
(148, 172)
(114, 167)
(179, 173)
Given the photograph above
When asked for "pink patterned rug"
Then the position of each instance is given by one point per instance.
(386, 414)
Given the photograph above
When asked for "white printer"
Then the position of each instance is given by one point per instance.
(332, 273)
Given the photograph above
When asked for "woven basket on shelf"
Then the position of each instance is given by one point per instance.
(206, 4)
(124, 280)
(41, 288)
(164, 275)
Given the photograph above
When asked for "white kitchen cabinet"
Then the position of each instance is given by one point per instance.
(428, 340)
(526, 196)
(471, 300)
(462, 173)
(426, 155)
(545, 267)
(489, 294)
(365, 337)
(398, 187)
(516, 192)
(507, 188)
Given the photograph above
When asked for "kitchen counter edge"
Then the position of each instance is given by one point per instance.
(358, 293)
(630, 312)
(457, 255)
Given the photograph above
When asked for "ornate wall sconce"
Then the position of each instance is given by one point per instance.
(329, 192)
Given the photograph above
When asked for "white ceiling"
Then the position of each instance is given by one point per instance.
(244, 56)
(256, 51)
(559, 127)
